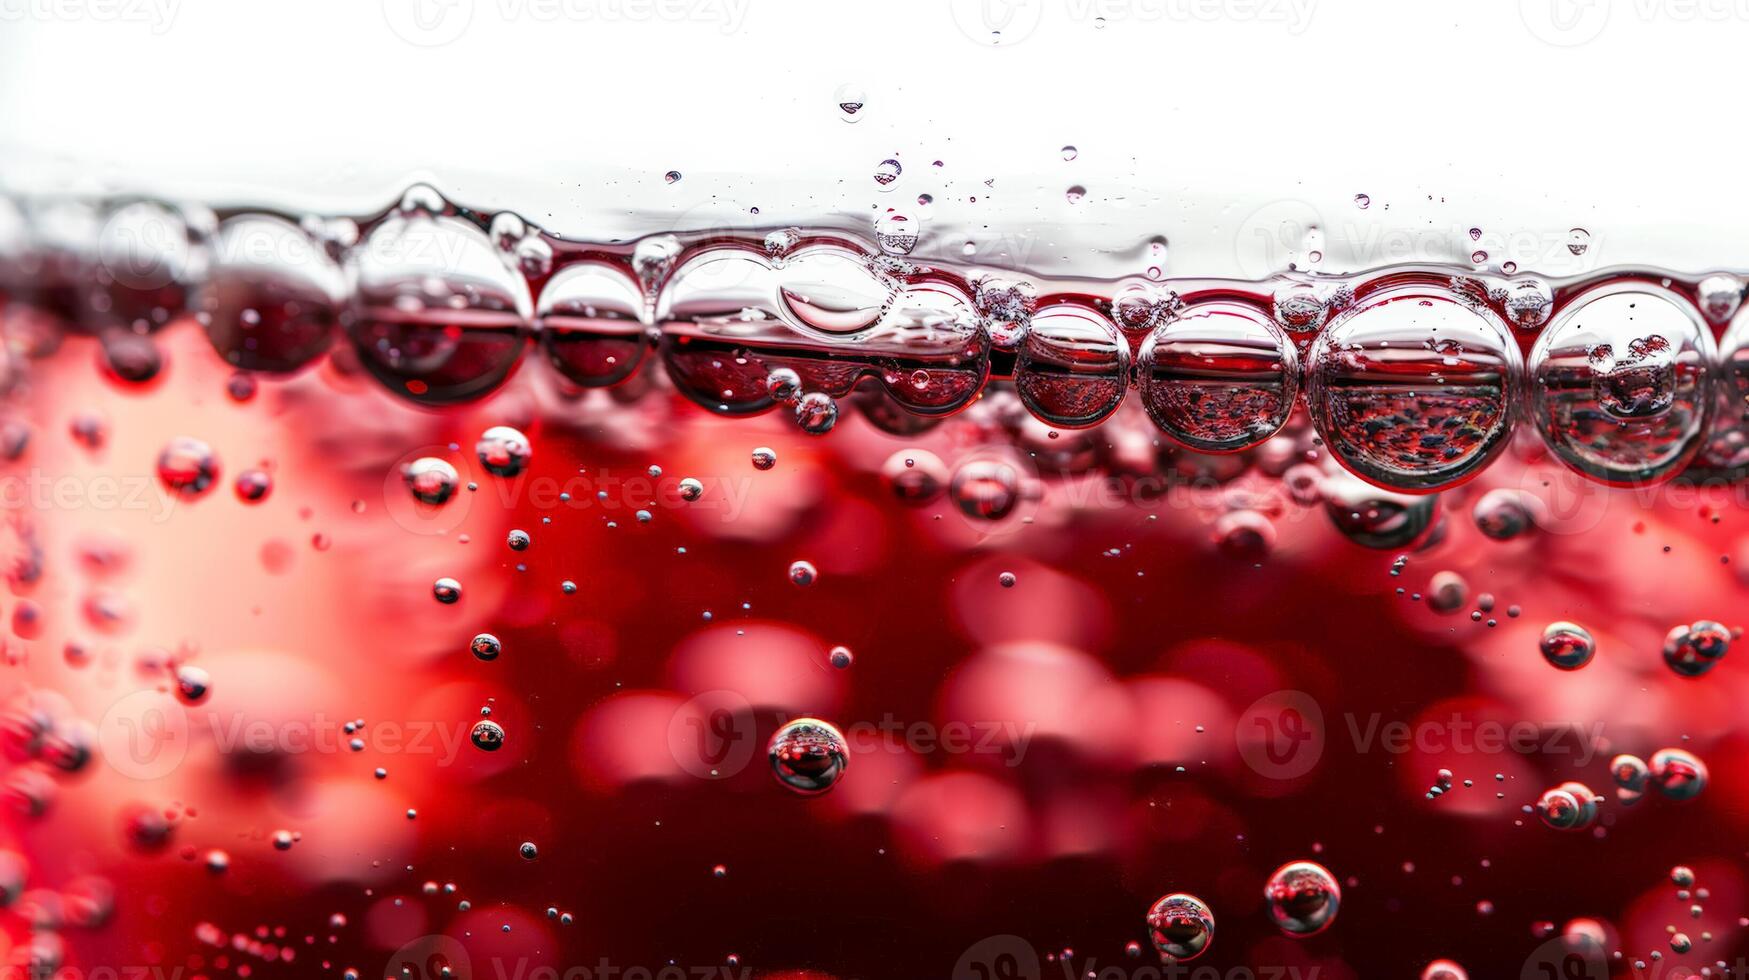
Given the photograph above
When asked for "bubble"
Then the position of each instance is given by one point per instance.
(808, 755)
(1375, 518)
(1412, 389)
(527, 848)
(1506, 513)
(1006, 580)
(1719, 297)
(486, 647)
(1074, 194)
(1567, 646)
(986, 489)
(691, 489)
(671, 177)
(1244, 535)
(1677, 773)
(1298, 308)
(1180, 926)
(517, 540)
(816, 413)
(850, 100)
(283, 840)
(1562, 809)
(188, 466)
(915, 477)
(1072, 367)
(896, 233)
(439, 317)
(430, 480)
(764, 458)
(1578, 240)
(1682, 876)
(487, 736)
(840, 658)
(1218, 377)
(253, 486)
(593, 324)
(273, 298)
(1444, 970)
(1693, 649)
(447, 591)
(503, 451)
(1619, 384)
(802, 573)
(1447, 591)
(1070, 153)
(1303, 897)
(887, 172)
(192, 684)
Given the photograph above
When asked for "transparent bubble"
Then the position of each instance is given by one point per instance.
(1506, 513)
(915, 476)
(1677, 773)
(1299, 308)
(447, 591)
(1619, 384)
(850, 100)
(1303, 898)
(783, 385)
(691, 489)
(1578, 240)
(253, 486)
(1072, 367)
(808, 755)
(1244, 535)
(1719, 297)
(593, 324)
(485, 646)
(487, 736)
(840, 658)
(764, 458)
(1682, 876)
(1693, 649)
(887, 172)
(816, 413)
(986, 489)
(1567, 646)
(503, 451)
(273, 298)
(1412, 389)
(1181, 927)
(803, 573)
(439, 317)
(1444, 970)
(188, 466)
(431, 480)
(1218, 377)
(1528, 302)
(1375, 518)
(192, 684)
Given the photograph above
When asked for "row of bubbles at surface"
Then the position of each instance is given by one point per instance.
(1413, 376)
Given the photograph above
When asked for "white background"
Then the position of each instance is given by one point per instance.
(1214, 123)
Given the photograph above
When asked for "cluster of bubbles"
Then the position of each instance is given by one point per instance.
(1676, 774)
(1413, 377)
